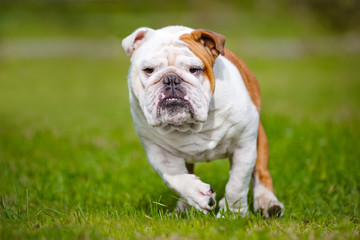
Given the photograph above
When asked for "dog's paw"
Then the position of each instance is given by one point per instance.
(182, 205)
(193, 191)
(269, 206)
(200, 195)
(232, 210)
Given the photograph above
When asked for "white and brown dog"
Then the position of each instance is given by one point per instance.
(192, 100)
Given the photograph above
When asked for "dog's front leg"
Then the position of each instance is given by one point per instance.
(237, 188)
(173, 171)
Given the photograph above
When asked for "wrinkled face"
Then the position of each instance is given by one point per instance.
(170, 83)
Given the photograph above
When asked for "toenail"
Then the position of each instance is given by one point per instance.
(211, 202)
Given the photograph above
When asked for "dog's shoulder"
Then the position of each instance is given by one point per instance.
(249, 78)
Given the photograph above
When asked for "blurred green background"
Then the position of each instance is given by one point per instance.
(48, 47)
(71, 164)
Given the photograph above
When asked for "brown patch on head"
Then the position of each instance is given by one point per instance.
(207, 46)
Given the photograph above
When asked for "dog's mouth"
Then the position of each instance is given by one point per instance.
(173, 106)
(173, 101)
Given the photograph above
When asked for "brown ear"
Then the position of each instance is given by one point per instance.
(213, 41)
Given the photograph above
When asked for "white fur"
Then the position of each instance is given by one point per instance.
(225, 124)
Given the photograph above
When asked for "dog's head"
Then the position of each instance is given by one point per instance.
(171, 74)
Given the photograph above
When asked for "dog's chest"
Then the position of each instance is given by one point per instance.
(206, 150)
(216, 140)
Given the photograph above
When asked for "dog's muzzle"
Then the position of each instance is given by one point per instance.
(174, 95)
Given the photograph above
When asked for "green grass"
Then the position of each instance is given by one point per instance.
(71, 165)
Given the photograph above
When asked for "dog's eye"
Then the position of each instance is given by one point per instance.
(195, 70)
(148, 70)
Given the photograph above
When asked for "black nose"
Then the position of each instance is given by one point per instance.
(171, 81)
(173, 87)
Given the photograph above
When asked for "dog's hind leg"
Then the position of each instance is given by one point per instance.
(264, 198)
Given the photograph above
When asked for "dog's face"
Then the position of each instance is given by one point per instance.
(171, 74)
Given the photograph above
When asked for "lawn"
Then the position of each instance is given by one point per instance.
(71, 165)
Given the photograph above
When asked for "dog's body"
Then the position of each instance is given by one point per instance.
(190, 104)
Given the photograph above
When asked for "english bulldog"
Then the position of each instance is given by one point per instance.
(193, 100)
